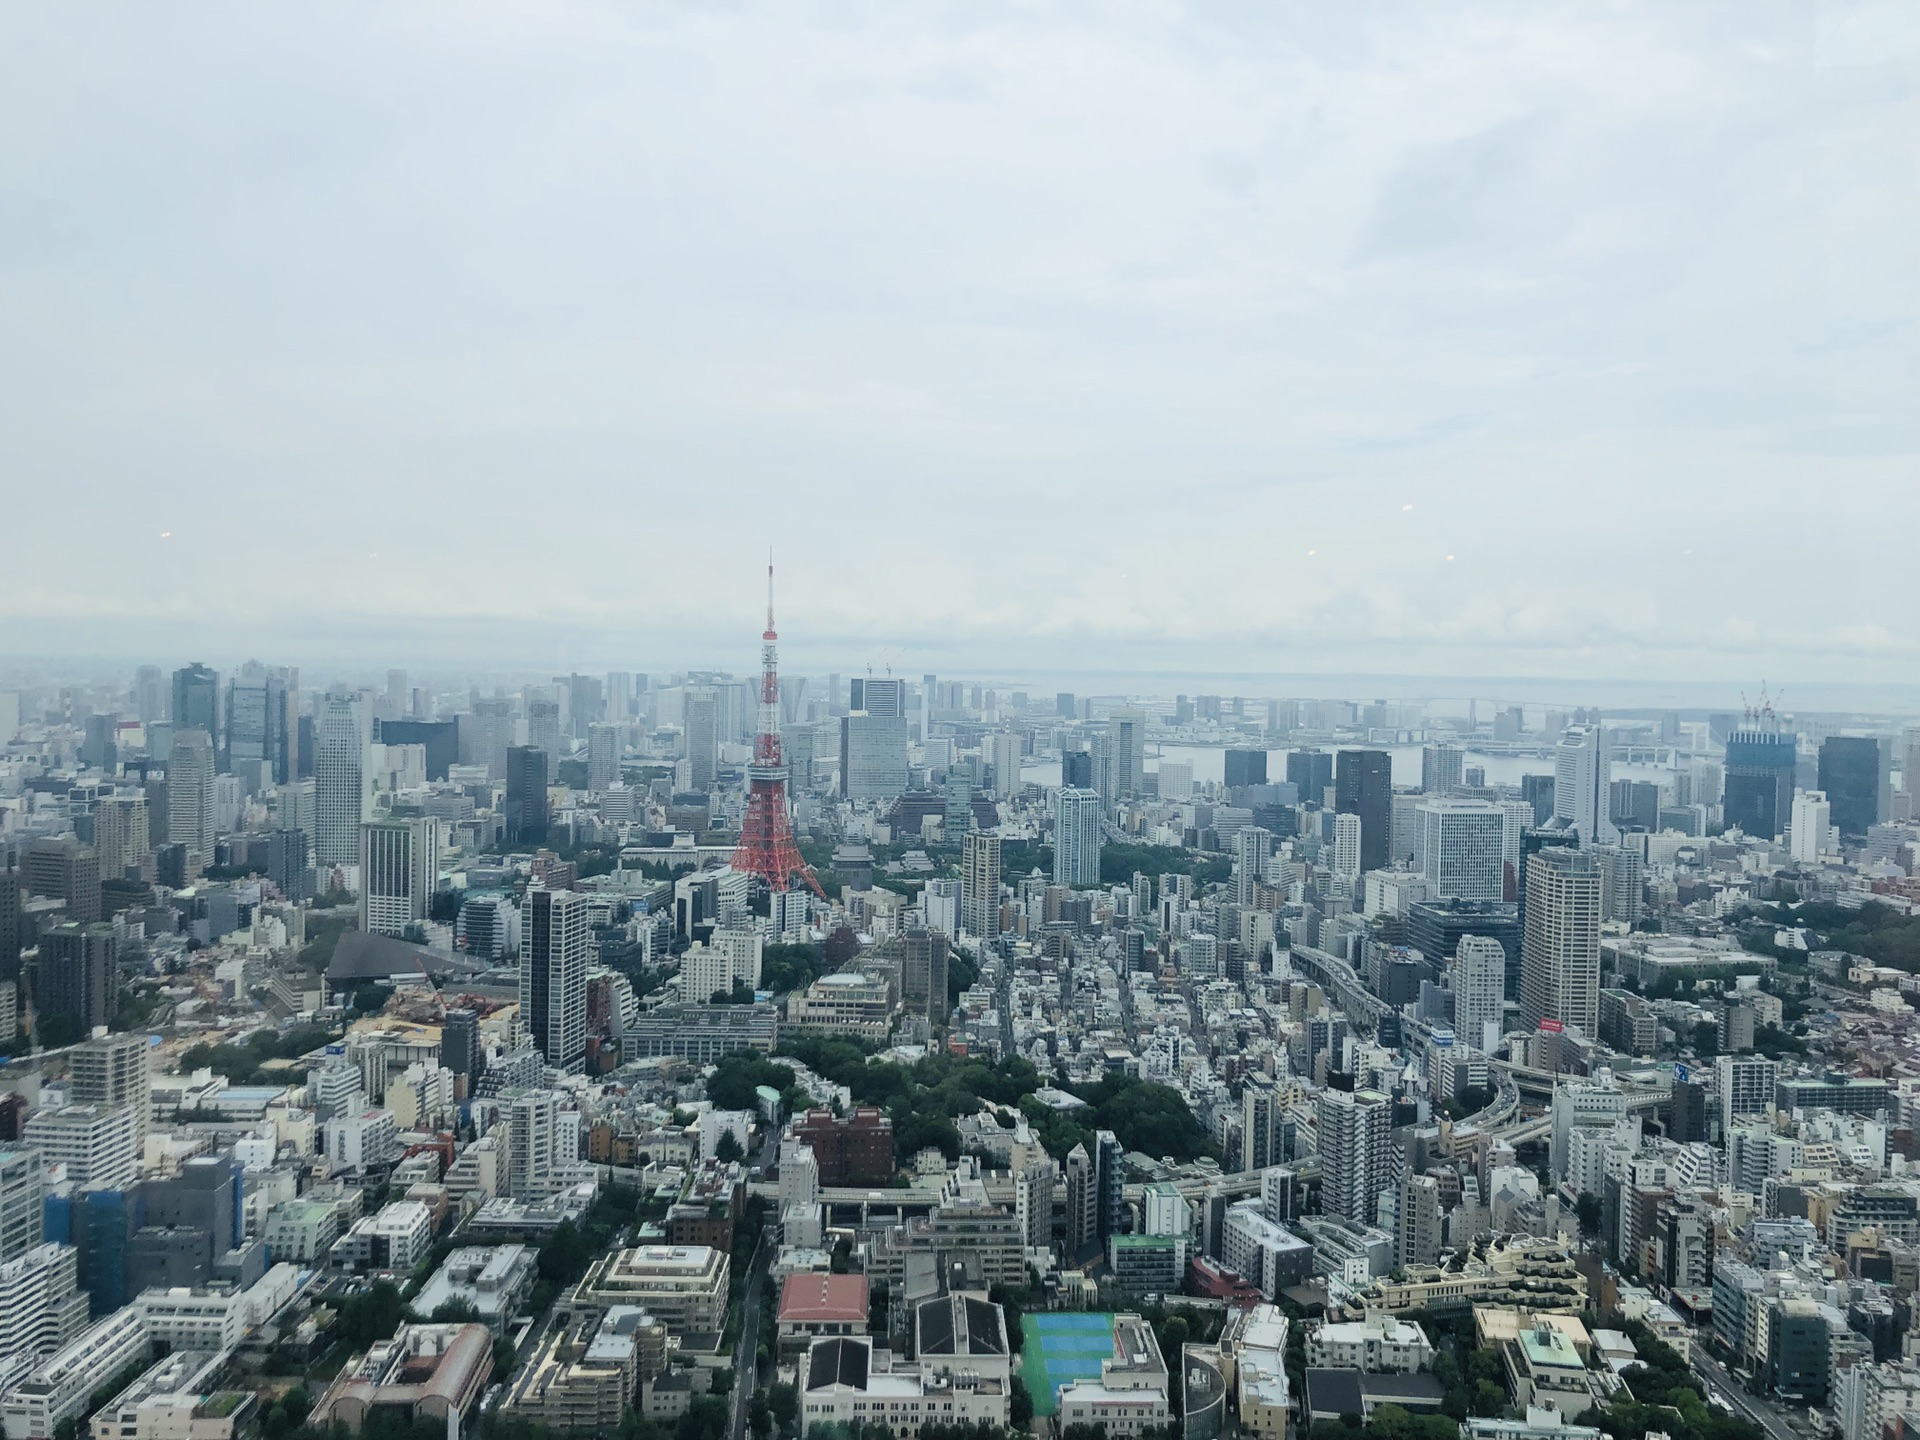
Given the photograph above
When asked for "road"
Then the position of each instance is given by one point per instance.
(1767, 1417)
(747, 1348)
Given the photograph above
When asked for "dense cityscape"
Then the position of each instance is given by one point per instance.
(1058, 720)
(695, 1053)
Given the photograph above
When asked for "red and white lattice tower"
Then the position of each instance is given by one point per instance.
(766, 835)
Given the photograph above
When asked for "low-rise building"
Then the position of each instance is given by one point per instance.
(1522, 1271)
(302, 1230)
(813, 1305)
(174, 1400)
(494, 1279)
(1256, 1341)
(1148, 1264)
(589, 1368)
(59, 1387)
(1379, 1343)
(683, 1286)
(847, 1378)
(396, 1239)
(1543, 1368)
(432, 1372)
(846, 1004)
(1130, 1394)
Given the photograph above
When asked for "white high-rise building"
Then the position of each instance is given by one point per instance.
(1812, 826)
(95, 1142)
(729, 957)
(399, 867)
(1252, 848)
(1582, 767)
(603, 757)
(1003, 753)
(1176, 780)
(190, 793)
(23, 1194)
(533, 1123)
(1077, 820)
(941, 903)
(1440, 769)
(1479, 991)
(1463, 843)
(553, 975)
(1346, 847)
(1598, 1105)
(1357, 1158)
(1746, 1086)
(339, 747)
(980, 885)
(1560, 949)
(120, 836)
(112, 1071)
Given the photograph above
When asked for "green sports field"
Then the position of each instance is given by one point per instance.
(1060, 1347)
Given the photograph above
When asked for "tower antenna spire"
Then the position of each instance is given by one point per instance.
(766, 832)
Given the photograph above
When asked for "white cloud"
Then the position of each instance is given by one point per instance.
(1028, 334)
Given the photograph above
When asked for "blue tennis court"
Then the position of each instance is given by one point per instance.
(1060, 1348)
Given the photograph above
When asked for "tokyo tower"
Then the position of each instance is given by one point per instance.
(766, 835)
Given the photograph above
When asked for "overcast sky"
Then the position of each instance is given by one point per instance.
(1561, 340)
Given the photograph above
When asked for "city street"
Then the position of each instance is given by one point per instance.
(1767, 1416)
(747, 1347)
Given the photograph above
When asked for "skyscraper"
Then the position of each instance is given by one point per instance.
(700, 731)
(196, 701)
(1759, 782)
(1003, 753)
(486, 734)
(873, 756)
(1083, 1203)
(1463, 845)
(1417, 1221)
(1077, 819)
(1110, 1180)
(76, 977)
(1346, 850)
(1127, 750)
(112, 1071)
(1850, 774)
(1479, 991)
(1560, 944)
(1357, 1159)
(259, 725)
(923, 975)
(980, 886)
(1252, 848)
(603, 757)
(1310, 772)
(1582, 767)
(1246, 767)
(338, 755)
(190, 793)
(1259, 1122)
(1812, 819)
(120, 836)
(1440, 767)
(553, 976)
(526, 795)
(399, 867)
(1363, 786)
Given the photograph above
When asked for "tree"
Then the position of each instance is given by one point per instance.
(784, 1401)
(1020, 1405)
(1587, 1208)
(368, 998)
(457, 1311)
(729, 1148)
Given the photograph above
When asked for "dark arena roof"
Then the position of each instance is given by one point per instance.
(960, 1325)
(837, 1362)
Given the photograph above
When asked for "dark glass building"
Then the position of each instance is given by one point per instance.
(196, 701)
(441, 737)
(1759, 783)
(1310, 772)
(526, 800)
(1850, 776)
(1363, 786)
(1076, 769)
(1435, 929)
(1246, 767)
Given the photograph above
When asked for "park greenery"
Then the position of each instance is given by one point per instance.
(242, 1063)
(1663, 1394)
(1877, 932)
(925, 1098)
